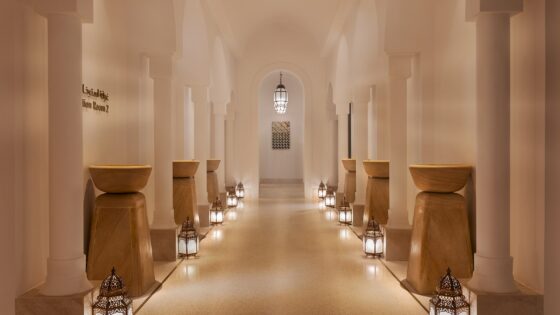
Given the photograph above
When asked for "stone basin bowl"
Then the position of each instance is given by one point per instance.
(349, 164)
(119, 179)
(212, 165)
(185, 168)
(377, 168)
(441, 178)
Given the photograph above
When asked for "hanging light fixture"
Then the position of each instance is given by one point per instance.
(240, 191)
(188, 240)
(345, 213)
(330, 199)
(112, 298)
(280, 98)
(217, 212)
(373, 240)
(322, 190)
(449, 298)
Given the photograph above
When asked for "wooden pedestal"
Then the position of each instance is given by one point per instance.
(184, 199)
(350, 186)
(440, 239)
(377, 199)
(212, 186)
(120, 238)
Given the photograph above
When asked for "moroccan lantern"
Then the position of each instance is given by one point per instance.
(188, 240)
(449, 299)
(373, 240)
(112, 298)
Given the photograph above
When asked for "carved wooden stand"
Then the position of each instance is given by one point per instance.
(440, 232)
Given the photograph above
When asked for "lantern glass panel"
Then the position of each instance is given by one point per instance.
(192, 246)
(330, 200)
(240, 191)
(182, 246)
(231, 200)
(322, 192)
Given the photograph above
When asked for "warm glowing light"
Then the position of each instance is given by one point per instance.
(217, 212)
(373, 240)
(187, 240)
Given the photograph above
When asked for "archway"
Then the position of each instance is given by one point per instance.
(281, 136)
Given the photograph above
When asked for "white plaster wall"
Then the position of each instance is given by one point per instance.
(281, 164)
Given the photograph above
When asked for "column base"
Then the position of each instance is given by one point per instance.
(358, 215)
(397, 243)
(493, 275)
(33, 302)
(522, 302)
(66, 277)
(204, 215)
(164, 244)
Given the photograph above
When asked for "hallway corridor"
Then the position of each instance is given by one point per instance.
(281, 257)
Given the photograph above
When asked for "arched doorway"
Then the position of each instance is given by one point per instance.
(281, 138)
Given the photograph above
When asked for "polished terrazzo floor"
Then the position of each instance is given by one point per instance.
(281, 257)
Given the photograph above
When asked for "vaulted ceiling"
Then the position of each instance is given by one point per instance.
(239, 20)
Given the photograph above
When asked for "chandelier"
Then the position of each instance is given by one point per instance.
(280, 98)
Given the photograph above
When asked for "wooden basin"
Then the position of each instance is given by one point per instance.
(120, 178)
(442, 178)
(212, 165)
(185, 168)
(377, 168)
(349, 164)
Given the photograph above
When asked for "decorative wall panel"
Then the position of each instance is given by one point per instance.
(280, 135)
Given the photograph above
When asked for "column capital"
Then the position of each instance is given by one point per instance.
(342, 108)
(220, 107)
(362, 94)
(81, 8)
(199, 94)
(477, 7)
(161, 67)
(400, 65)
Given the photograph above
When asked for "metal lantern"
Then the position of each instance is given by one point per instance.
(449, 299)
(330, 199)
(231, 200)
(188, 240)
(112, 298)
(322, 190)
(345, 213)
(217, 212)
(240, 191)
(280, 98)
(373, 240)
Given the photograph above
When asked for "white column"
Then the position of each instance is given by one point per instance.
(372, 126)
(161, 72)
(201, 115)
(189, 125)
(220, 142)
(399, 72)
(230, 150)
(66, 263)
(360, 147)
(493, 264)
(342, 110)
